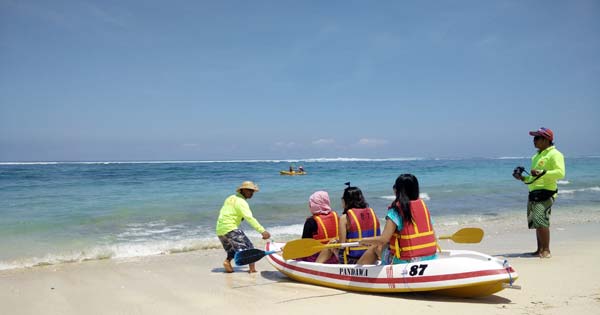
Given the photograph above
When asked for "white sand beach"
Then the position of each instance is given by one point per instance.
(194, 283)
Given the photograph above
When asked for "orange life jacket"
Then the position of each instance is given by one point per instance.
(327, 227)
(416, 238)
(363, 223)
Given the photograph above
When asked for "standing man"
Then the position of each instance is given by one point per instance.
(547, 167)
(234, 210)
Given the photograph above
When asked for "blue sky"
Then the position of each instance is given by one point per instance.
(205, 80)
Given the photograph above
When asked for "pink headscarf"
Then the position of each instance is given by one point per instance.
(319, 203)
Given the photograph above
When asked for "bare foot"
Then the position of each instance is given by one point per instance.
(252, 271)
(536, 253)
(545, 254)
(227, 266)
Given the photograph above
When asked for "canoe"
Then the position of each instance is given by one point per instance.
(460, 273)
(291, 173)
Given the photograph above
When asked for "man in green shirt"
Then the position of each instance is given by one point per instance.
(234, 210)
(547, 167)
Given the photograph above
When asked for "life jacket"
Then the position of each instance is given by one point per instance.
(416, 238)
(363, 223)
(327, 227)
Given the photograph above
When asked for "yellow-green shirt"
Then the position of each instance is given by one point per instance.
(235, 208)
(553, 162)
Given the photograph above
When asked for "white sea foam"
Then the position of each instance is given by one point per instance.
(563, 182)
(511, 158)
(139, 232)
(295, 160)
(116, 251)
(313, 160)
(280, 231)
(572, 191)
(146, 247)
(424, 196)
(502, 220)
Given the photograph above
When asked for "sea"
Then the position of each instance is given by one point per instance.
(63, 212)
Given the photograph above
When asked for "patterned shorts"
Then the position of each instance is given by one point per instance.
(235, 241)
(538, 213)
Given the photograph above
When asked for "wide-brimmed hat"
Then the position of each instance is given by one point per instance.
(543, 132)
(248, 185)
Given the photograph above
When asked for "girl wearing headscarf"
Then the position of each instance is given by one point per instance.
(322, 225)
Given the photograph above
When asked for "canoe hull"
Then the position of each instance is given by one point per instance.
(291, 173)
(455, 273)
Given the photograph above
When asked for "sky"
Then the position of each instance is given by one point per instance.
(229, 80)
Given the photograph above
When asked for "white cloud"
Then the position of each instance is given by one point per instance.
(372, 142)
(323, 141)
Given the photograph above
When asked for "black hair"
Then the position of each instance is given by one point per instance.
(353, 198)
(407, 189)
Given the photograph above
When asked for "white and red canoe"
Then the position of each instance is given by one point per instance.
(460, 273)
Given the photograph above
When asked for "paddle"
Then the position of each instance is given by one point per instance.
(306, 246)
(249, 256)
(299, 248)
(465, 235)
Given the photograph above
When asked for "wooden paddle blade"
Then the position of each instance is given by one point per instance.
(248, 256)
(465, 235)
(303, 247)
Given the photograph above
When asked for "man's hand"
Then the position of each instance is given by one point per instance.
(266, 235)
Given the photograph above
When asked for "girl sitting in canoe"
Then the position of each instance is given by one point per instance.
(357, 222)
(408, 230)
(322, 225)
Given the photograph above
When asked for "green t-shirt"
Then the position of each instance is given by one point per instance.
(235, 208)
(553, 162)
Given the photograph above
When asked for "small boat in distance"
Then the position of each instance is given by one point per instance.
(291, 173)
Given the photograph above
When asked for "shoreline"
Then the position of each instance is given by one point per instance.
(194, 282)
(495, 226)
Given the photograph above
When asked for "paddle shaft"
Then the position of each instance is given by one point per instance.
(306, 247)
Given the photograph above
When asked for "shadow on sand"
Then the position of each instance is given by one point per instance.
(277, 277)
(235, 269)
(517, 255)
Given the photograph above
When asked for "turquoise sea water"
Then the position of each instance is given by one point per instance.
(54, 212)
